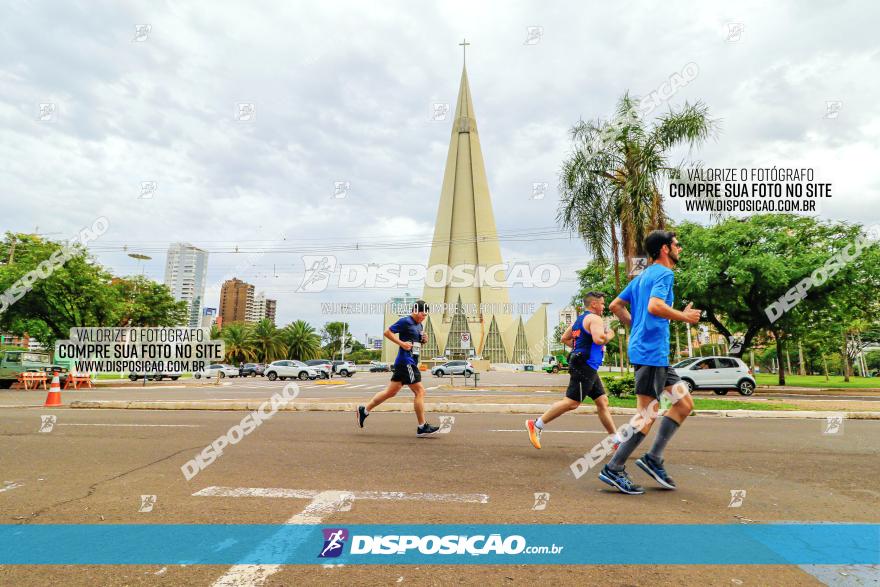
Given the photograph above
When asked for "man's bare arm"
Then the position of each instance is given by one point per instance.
(661, 309)
(619, 309)
(567, 339)
(600, 334)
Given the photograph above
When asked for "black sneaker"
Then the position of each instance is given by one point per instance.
(655, 469)
(426, 430)
(620, 481)
(361, 415)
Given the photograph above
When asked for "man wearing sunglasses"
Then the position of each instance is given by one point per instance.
(650, 298)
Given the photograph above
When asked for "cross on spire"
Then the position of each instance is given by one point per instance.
(464, 45)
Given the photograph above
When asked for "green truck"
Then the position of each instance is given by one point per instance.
(18, 361)
(555, 363)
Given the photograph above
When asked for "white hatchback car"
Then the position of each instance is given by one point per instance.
(211, 371)
(288, 369)
(718, 373)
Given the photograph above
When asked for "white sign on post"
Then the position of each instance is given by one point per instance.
(465, 340)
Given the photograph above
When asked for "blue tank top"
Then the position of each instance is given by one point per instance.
(583, 343)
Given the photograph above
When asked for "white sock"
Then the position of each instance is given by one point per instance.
(366, 411)
(539, 424)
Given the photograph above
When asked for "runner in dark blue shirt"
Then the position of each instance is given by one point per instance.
(587, 336)
(407, 333)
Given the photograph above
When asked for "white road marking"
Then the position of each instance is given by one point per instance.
(9, 486)
(322, 504)
(137, 425)
(430, 388)
(214, 491)
(357, 386)
(545, 431)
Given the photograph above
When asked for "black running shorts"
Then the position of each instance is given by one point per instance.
(406, 374)
(584, 381)
(651, 381)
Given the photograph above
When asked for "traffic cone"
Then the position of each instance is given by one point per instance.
(54, 397)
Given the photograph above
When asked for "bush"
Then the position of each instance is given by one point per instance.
(621, 386)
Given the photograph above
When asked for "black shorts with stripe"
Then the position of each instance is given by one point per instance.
(406, 374)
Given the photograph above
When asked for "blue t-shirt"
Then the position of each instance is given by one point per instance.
(583, 343)
(407, 330)
(649, 337)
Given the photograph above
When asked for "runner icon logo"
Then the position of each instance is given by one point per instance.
(147, 503)
(446, 423)
(47, 423)
(541, 501)
(334, 541)
(737, 496)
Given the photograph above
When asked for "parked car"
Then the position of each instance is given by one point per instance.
(211, 371)
(344, 368)
(454, 368)
(288, 369)
(14, 362)
(720, 374)
(324, 367)
(156, 376)
(377, 367)
(251, 370)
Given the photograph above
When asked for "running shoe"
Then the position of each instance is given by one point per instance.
(361, 415)
(655, 469)
(620, 481)
(534, 433)
(426, 430)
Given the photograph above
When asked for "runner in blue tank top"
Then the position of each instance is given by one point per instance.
(587, 336)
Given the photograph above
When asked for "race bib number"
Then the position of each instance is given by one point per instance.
(416, 348)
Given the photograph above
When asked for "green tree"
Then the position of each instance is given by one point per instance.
(79, 292)
(268, 341)
(143, 302)
(739, 268)
(239, 343)
(331, 337)
(301, 341)
(609, 182)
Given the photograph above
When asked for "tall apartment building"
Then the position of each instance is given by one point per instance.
(271, 306)
(257, 310)
(236, 301)
(186, 271)
(261, 308)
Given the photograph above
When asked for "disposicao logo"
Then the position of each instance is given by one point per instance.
(334, 541)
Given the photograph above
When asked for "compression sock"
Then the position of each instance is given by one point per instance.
(618, 461)
(668, 426)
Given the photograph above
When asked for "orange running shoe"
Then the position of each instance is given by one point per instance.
(534, 433)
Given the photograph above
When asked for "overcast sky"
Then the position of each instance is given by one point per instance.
(343, 91)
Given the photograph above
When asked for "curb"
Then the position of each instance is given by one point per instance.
(250, 405)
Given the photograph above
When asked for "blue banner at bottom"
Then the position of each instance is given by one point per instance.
(482, 544)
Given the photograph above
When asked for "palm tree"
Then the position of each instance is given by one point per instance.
(267, 341)
(609, 183)
(301, 341)
(239, 343)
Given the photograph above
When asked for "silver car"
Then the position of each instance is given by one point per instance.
(454, 368)
(719, 374)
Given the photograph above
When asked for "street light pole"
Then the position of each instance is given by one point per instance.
(140, 259)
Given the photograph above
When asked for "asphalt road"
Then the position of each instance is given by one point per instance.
(95, 464)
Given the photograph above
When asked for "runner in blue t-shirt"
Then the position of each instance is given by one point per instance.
(587, 337)
(407, 333)
(650, 298)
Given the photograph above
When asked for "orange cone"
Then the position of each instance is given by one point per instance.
(54, 397)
